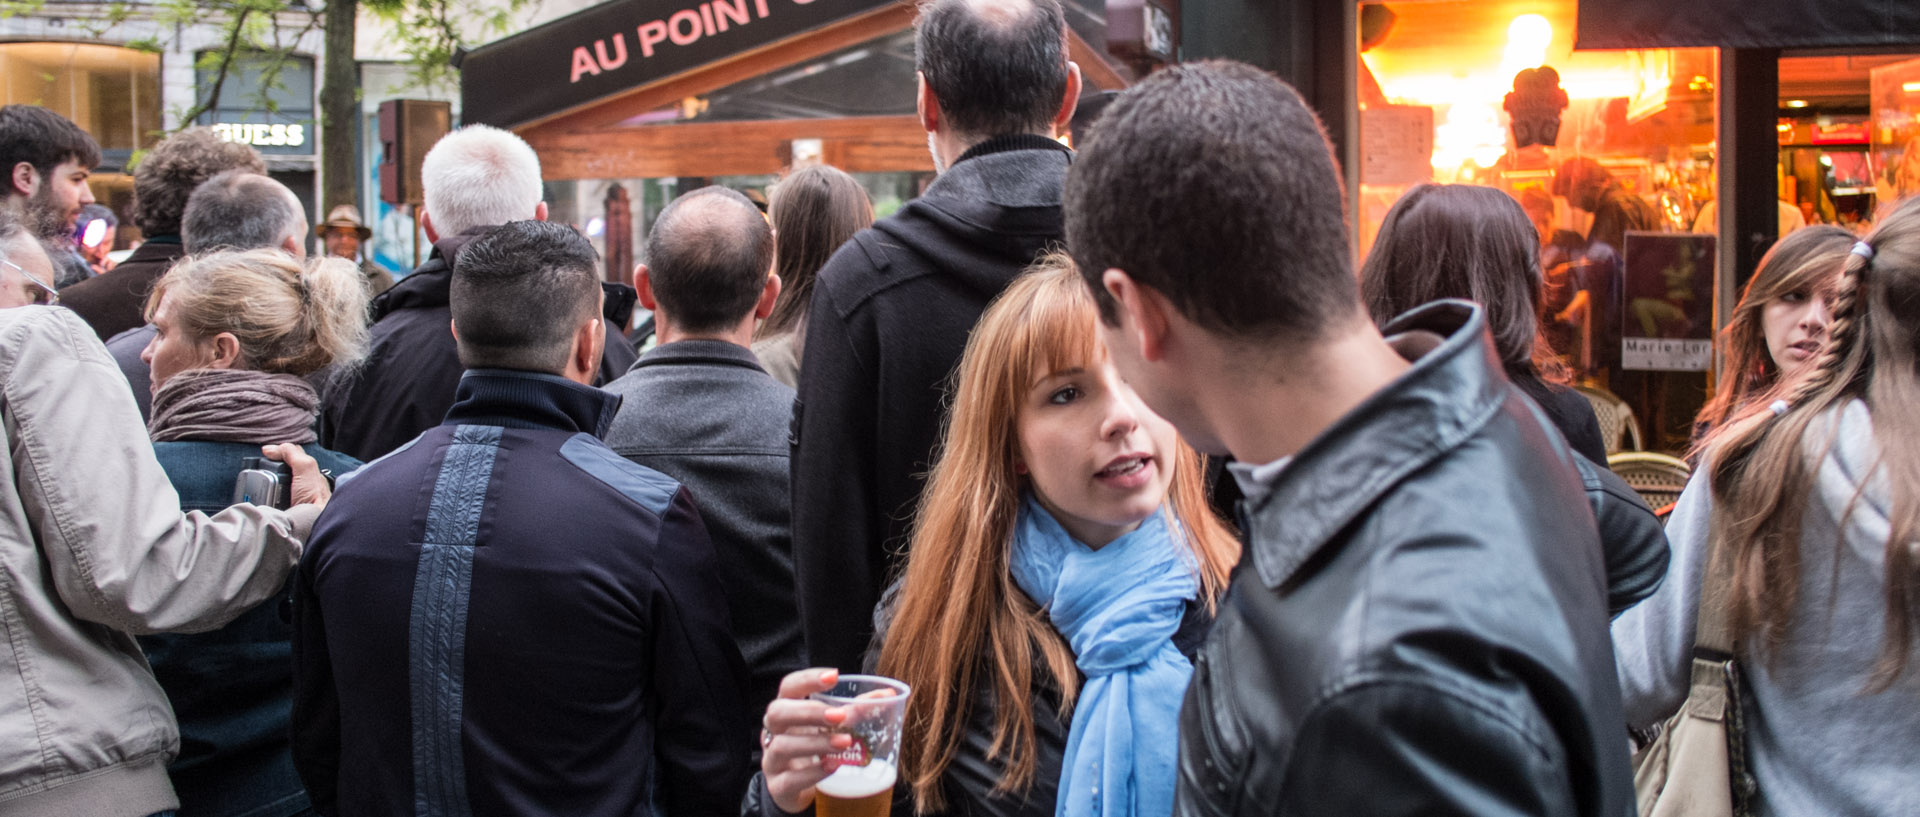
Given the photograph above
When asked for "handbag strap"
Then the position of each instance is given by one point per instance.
(1712, 635)
(1716, 687)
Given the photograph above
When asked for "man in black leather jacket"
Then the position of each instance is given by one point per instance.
(1419, 624)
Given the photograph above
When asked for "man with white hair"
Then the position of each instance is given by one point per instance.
(475, 179)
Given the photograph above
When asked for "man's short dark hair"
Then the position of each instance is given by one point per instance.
(519, 292)
(238, 210)
(1213, 183)
(996, 67)
(708, 258)
(168, 174)
(44, 139)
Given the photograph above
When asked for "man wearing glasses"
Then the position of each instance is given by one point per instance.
(26, 274)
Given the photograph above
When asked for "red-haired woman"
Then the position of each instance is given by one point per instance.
(1064, 565)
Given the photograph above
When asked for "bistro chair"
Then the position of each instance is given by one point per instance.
(1657, 478)
(1615, 416)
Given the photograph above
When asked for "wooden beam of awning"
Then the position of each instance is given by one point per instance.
(871, 144)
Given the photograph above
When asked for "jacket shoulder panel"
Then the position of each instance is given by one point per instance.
(343, 479)
(651, 489)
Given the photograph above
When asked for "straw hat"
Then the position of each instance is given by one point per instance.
(345, 216)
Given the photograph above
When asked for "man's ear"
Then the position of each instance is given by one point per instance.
(769, 294)
(924, 103)
(643, 286)
(1144, 313)
(426, 225)
(455, 328)
(588, 345)
(23, 179)
(540, 212)
(1063, 121)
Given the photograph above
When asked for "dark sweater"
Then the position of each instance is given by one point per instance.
(1570, 412)
(890, 316)
(117, 301)
(505, 617)
(704, 413)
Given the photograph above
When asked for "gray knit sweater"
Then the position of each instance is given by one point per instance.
(1817, 743)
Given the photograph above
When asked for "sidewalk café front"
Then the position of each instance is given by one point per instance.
(632, 102)
(1716, 123)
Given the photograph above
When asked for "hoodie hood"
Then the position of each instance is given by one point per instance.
(996, 208)
(431, 284)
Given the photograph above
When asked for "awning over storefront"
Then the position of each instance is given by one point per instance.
(1748, 23)
(617, 46)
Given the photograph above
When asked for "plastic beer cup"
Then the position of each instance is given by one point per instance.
(862, 785)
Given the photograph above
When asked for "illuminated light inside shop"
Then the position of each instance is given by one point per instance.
(1796, 103)
(1465, 85)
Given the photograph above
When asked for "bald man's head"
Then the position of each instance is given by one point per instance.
(244, 211)
(708, 258)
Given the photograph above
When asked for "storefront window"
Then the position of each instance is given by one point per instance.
(112, 93)
(1604, 149)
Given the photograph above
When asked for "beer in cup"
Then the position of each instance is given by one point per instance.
(862, 785)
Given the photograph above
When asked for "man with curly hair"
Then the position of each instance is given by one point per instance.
(114, 302)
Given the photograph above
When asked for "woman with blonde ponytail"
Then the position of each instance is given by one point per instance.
(1808, 500)
(239, 336)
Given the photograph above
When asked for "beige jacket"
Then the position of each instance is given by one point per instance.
(94, 549)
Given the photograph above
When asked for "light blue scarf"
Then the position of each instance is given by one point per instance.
(1118, 607)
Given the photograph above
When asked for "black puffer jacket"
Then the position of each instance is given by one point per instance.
(1419, 624)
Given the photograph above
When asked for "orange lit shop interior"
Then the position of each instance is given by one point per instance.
(1443, 98)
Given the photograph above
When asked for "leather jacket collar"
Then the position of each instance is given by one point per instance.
(1453, 389)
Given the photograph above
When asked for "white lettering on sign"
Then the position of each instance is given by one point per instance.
(259, 135)
(1666, 354)
(682, 28)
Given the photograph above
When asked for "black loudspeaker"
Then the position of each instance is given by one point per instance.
(408, 129)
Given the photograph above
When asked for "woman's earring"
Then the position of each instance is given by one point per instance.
(1019, 466)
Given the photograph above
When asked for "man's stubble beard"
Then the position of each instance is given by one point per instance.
(44, 217)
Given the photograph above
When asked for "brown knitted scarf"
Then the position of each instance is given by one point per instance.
(234, 405)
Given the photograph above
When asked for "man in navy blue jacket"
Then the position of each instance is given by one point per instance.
(504, 616)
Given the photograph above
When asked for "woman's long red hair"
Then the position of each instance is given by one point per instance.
(959, 615)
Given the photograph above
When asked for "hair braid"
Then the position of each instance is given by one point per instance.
(1760, 474)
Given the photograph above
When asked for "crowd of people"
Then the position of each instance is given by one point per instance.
(509, 562)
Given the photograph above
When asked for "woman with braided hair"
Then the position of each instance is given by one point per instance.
(1808, 505)
(1780, 323)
